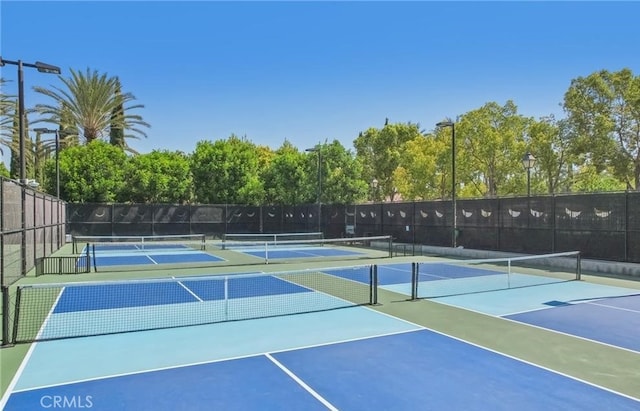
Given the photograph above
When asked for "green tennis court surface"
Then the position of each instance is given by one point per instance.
(329, 337)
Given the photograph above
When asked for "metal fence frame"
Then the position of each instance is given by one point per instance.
(32, 226)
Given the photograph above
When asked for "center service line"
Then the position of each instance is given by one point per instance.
(301, 383)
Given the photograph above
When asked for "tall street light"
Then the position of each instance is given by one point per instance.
(528, 161)
(43, 68)
(453, 177)
(57, 133)
(374, 189)
(316, 150)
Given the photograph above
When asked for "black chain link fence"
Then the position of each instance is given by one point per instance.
(602, 226)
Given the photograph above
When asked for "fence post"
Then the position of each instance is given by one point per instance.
(5, 316)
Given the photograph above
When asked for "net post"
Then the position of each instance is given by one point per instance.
(414, 281)
(266, 253)
(578, 267)
(74, 247)
(16, 315)
(390, 241)
(226, 297)
(87, 266)
(95, 264)
(5, 316)
(373, 284)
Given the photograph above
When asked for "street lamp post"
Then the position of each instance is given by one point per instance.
(316, 150)
(43, 68)
(528, 161)
(57, 134)
(374, 189)
(453, 176)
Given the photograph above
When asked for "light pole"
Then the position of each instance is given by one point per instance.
(528, 161)
(316, 150)
(57, 133)
(374, 189)
(453, 176)
(43, 68)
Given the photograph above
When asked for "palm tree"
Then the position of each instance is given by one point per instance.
(7, 108)
(88, 105)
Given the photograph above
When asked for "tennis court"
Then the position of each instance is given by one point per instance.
(384, 335)
(124, 255)
(286, 248)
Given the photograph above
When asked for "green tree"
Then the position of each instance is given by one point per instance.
(88, 104)
(285, 177)
(380, 152)
(157, 177)
(340, 176)
(550, 143)
(425, 167)
(588, 178)
(116, 128)
(490, 143)
(14, 145)
(227, 171)
(604, 110)
(91, 173)
(8, 105)
(3, 170)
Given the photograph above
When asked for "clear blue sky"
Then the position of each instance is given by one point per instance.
(315, 71)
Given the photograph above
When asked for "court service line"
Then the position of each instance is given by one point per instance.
(301, 383)
(204, 362)
(615, 308)
(152, 260)
(401, 270)
(188, 290)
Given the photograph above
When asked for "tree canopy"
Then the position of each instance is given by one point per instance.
(595, 148)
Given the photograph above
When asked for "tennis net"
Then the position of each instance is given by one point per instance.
(454, 277)
(138, 242)
(68, 310)
(296, 250)
(275, 237)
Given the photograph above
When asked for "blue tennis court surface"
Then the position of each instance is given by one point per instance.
(303, 252)
(99, 297)
(614, 320)
(406, 370)
(143, 254)
(350, 359)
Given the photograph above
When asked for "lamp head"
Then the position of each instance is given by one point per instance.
(528, 161)
(47, 68)
(44, 130)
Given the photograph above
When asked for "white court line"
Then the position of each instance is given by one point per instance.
(614, 307)
(152, 260)
(205, 362)
(189, 290)
(402, 270)
(418, 328)
(302, 383)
